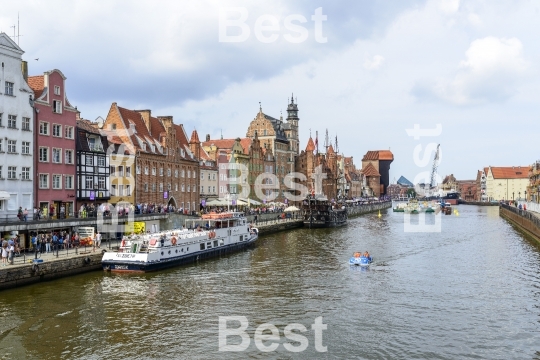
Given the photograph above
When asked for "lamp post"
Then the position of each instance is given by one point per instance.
(512, 195)
(525, 195)
(519, 195)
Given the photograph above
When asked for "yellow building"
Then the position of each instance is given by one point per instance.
(123, 182)
(506, 183)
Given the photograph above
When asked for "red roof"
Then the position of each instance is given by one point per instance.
(379, 155)
(310, 145)
(194, 137)
(227, 144)
(37, 83)
(330, 150)
(510, 172)
(370, 170)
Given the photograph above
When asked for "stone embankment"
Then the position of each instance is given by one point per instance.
(24, 271)
(527, 222)
(480, 203)
(368, 208)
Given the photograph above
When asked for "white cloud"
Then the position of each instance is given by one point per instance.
(374, 63)
(489, 73)
(449, 6)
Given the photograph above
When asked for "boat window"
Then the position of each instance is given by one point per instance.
(209, 245)
(187, 248)
(241, 237)
(202, 246)
(182, 250)
(215, 243)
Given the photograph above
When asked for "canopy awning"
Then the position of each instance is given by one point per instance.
(4, 195)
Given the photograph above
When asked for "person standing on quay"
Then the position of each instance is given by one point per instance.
(97, 241)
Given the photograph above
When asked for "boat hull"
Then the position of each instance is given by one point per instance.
(120, 266)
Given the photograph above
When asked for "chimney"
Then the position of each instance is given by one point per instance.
(207, 137)
(146, 117)
(24, 70)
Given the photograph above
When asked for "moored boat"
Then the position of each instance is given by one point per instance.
(208, 236)
(319, 212)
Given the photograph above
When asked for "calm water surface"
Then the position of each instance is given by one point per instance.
(471, 291)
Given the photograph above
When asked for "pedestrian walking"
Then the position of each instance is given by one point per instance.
(48, 244)
(98, 240)
(25, 214)
(4, 253)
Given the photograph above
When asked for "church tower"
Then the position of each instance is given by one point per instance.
(292, 120)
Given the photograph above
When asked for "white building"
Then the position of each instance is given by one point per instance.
(16, 132)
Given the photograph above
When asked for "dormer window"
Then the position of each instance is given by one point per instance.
(56, 90)
(144, 146)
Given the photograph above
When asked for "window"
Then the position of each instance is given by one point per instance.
(202, 176)
(26, 147)
(188, 174)
(9, 88)
(138, 170)
(56, 156)
(43, 181)
(154, 187)
(169, 186)
(25, 173)
(56, 90)
(160, 187)
(113, 190)
(213, 189)
(12, 121)
(69, 156)
(101, 161)
(146, 170)
(1, 122)
(153, 171)
(183, 173)
(188, 188)
(120, 171)
(202, 189)
(69, 132)
(89, 182)
(128, 190)
(89, 160)
(183, 188)
(209, 189)
(12, 172)
(128, 171)
(57, 181)
(145, 187)
(57, 130)
(194, 174)
(57, 107)
(43, 128)
(12, 146)
(101, 183)
(160, 171)
(120, 190)
(176, 173)
(69, 182)
(44, 154)
(113, 126)
(112, 170)
(26, 123)
(169, 172)
(210, 175)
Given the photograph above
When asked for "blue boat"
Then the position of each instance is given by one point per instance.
(360, 260)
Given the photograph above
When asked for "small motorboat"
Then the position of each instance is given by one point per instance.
(360, 260)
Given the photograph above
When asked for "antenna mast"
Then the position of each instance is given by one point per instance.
(434, 169)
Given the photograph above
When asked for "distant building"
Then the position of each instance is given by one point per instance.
(533, 188)
(400, 188)
(467, 190)
(506, 183)
(481, 185)
(17, 145)
(376, 166)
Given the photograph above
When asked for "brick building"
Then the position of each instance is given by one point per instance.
(167, 171)
(380, 160)
(55, 122)
(467, 190)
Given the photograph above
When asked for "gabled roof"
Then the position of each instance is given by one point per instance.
(370, 170)
(510, 172)
(379, 155)
(88, 126)
(37, 84)
(330, 150)
(194, 137)
(227, 144)
(7, 42)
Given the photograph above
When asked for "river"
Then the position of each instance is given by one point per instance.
(469, 291)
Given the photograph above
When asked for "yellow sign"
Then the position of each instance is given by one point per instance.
(136, 227)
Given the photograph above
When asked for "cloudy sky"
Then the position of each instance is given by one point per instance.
(373, 70)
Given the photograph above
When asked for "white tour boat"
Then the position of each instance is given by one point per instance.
(211, 235)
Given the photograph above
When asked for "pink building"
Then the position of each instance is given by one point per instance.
(55, 122)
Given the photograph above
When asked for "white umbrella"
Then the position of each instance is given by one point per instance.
(291, 209)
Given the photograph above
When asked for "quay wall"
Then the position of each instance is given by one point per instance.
(15, 276)
(354, 211)
(526, 221)
(480, 203)
(279, 225)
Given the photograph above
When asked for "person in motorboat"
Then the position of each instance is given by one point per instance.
(366, 255)
(356, 255)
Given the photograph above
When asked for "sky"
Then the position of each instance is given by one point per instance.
(365, 70)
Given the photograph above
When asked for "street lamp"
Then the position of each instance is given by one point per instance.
(519, 195)
(525, 195)
(512, 195)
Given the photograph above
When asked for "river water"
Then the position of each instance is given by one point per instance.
(470, 291)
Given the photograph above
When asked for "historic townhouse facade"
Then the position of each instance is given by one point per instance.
(380, 160)
(166, 170)
(208, 168)
(93, 172)
(122, 173)
(506, 182)
(17, 132)
(55, 123)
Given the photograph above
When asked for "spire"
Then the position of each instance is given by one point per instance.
(292, 98)
(260, 107)
(194, 137)
(221, 133)
(310, 145)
